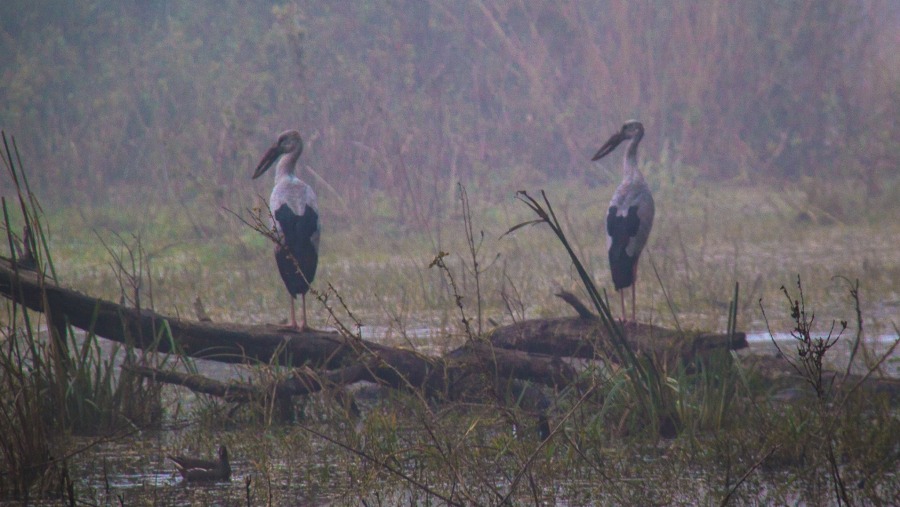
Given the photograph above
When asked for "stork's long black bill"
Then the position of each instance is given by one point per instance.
(609, 146)
(268, 159)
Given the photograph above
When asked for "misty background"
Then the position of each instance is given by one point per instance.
(117, 102)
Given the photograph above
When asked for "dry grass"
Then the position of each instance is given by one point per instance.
(735, 443)
(705, 239)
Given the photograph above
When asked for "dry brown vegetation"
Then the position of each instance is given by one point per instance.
(771, 149)
(400, 100)
(748, 439)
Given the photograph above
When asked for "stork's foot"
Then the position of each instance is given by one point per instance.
(296, 328)
(287, 328)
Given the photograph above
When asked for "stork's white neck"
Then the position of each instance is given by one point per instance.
(287, 165)
(630, 170)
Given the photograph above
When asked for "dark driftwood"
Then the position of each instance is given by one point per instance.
(230, 343)
(345, 359)
(507, 365)
(396, 368)
(529, 351)
(229, 391)
(585, 336)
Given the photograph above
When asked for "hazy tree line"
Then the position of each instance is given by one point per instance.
(399, 99)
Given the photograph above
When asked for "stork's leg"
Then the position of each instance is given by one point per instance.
(303, 315)
(293, 314)
(622, 298)
(633, 286)
(633, 290)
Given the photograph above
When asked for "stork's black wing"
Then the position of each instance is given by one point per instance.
(298, 257)
(621, 229)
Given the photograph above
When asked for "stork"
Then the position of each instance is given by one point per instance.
(295, 219)
(630, 216)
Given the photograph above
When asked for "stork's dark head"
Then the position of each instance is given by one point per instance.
(288, 142)
(632, 129)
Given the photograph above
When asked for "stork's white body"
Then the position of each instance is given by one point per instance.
(295, 217)
(291, 190)
(630, 216)
(633, 191)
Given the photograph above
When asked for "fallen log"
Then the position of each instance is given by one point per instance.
(398, 369)
(346, 358)
(237, 392)
(585, 336)
(507, 360)
(530, 350)
(223, 342)
(304, 381)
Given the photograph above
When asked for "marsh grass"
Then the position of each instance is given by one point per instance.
(56, 382)
(405, 432)
(831, 392)
(737, 440)
(705, 239)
